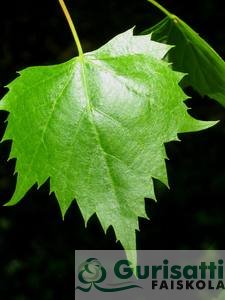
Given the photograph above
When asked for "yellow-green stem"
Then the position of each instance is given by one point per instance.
(72, 27)
(160, 7)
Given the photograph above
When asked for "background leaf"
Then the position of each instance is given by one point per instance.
(192, 55)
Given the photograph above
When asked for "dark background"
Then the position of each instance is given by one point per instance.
(36, 246)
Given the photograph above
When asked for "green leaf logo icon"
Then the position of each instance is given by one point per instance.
(91, 273)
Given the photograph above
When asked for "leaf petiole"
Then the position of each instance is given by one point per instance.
(160, 7)
(72, 27)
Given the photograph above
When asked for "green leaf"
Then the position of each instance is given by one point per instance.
(192, 55)
(96, 126)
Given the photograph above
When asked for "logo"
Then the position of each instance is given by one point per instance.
(91, 274)
(153, 274)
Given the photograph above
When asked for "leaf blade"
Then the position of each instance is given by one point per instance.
(96, 126)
